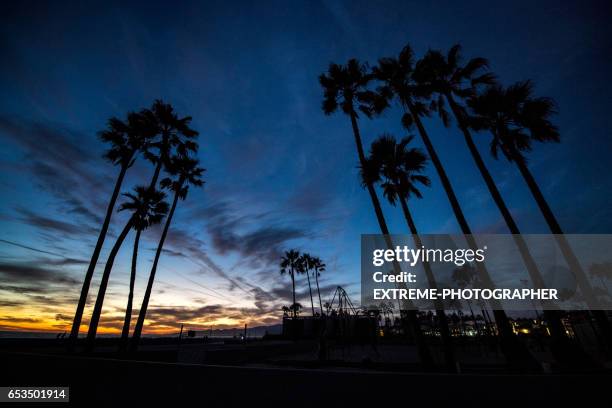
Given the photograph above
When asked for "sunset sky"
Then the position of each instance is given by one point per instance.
(280, 174)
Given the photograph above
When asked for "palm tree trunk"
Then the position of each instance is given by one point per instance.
(310, 290)
(449, 355)
(125, 333)
(600, 316)
(411, 314)
(78, 316)
(318, 290)
(145, 302)
(293, 291)
(97, 312)
(509, 342)
(156, 173)
(552, 316)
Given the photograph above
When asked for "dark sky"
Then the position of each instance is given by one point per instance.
(280, 173)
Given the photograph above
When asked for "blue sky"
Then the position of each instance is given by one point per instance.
(280, 174)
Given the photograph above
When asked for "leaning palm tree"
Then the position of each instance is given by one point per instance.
(319, 267)
(126, 140)
(144, 204)
(186, 172)
(290, 264)
(398, 169)
(452, 82)
(444, 78)
(515, 119)
(345, 87)
(397, 77)
(143, 220)
(307, 265)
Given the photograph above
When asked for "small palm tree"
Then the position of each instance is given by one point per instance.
(290, 264)
(319, 267)
(186, 172)
(306, 266)
(285, 310)
(142, 221)
(398, 169)
(145, 204)
(296, 308)
(126, 139)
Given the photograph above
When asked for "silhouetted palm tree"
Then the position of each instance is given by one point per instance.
(285, 310)
(412, 86)
(290, 264)
(398, 169)
(515, 118)
(345, 87)
(143, 220)
(397, 76)
(126, 139)
(307, 265)
(186, 172)
(448, 79)
(172, 133)
(444, 78)
(296, 309)
(144, 204)
(319, 267)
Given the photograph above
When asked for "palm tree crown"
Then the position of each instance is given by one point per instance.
(514, 117)
(345, 86)
(397, 167)
(173, 133)
(290, 262)
(186, 172)
(397, 79)
(445, 76)
(147, 206)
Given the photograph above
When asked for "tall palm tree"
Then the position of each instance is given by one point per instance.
(448, 79)
(398, 169)
(345, 87)
(306, 266)
(144, 204)
(142, 221)
(126, 139)
(290, 264)
(409, 83)
(397, 77)
(186, 172)
(319, 267)
(515, 119)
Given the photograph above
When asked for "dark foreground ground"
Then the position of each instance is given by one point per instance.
(113, 382)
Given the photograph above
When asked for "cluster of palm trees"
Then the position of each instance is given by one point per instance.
(167, 141)
(469, 93)
(294, 263)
